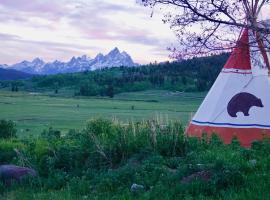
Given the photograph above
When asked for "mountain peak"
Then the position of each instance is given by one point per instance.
(56, 62)
(25, 62)
(37, 60)
(98, 56)
(116, 49)
(3, 66)
(85, 57)
(73, 59)
(114, 52)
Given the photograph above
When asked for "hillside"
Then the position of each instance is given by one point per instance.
(197, 74)
(11, 74)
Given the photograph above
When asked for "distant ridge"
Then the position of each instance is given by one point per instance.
(114, 58)
(11, 74)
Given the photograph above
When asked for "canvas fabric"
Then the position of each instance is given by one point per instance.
(238, 104)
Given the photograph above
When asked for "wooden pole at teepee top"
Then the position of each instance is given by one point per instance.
(263, 51)
(253, 10)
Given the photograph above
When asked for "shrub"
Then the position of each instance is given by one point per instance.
(51, 134)
(7, 129)
(7, 150)
(106, 158)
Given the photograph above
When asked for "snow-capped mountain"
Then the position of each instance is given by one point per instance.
(34, 67)
(114, 58)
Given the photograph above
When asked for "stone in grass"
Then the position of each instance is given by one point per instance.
(253, 162)
(136, 188)
(10, 173)
(204, 176)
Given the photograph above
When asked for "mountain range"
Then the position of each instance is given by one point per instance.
(114, 58)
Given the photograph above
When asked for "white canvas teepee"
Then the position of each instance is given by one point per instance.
(238, 103)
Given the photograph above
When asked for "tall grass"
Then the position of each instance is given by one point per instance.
(105, 158)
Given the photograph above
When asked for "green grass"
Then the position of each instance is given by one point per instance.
(103, 158)
(106, 158)
(35, 112)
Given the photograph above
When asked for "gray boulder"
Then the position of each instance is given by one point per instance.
(252, 163)
(204, 176)
(10, 173)
(136, 188)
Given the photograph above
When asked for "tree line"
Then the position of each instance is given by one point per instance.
(193, 75)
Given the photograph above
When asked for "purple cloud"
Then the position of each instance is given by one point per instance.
(21, 10)
(91, 21)
(100, 23)
(47, 50)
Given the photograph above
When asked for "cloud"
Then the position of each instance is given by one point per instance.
(29, 49)
(42, 44)
(100, 21)
(35, 7)
(4, 37)
(59, 29)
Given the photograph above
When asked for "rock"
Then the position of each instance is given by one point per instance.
(253, 162)
(172, 171)
(136, 188)
(204, 176)
(9, 173)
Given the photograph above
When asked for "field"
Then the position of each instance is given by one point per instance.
(106, 157)
(34, 112)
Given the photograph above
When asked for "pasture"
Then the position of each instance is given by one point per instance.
(105, 159)
(34, 112)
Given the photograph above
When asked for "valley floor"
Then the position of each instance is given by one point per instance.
(109, 159)
(34, 112)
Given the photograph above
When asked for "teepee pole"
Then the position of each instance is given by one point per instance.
(254, 7)
(248, 10)
(252, 10)
(260, 7)
(257, 10)
(263, 51)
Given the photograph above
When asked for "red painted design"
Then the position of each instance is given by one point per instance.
(245, 135)
(240, 57)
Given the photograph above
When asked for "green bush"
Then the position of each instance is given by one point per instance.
(103, 160)
(8, 150)
(7, 129)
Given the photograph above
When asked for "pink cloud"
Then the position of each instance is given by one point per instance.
(88, 19)
(25, 8)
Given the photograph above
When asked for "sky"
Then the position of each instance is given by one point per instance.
(60, 29)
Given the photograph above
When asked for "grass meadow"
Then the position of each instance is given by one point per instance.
(34, 112)
(99, 148)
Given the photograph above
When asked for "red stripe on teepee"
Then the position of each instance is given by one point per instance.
(245, 135)
(240, 57)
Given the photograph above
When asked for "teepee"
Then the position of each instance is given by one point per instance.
(238, 104)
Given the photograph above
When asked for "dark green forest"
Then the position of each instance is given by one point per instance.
(193, 75)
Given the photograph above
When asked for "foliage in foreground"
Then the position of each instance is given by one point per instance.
(103, 160)
(7, 129)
